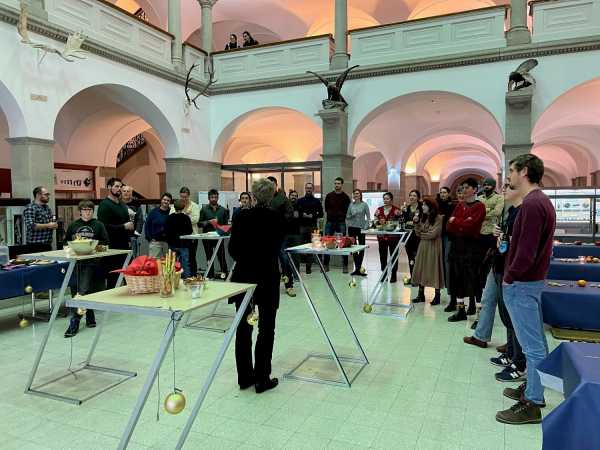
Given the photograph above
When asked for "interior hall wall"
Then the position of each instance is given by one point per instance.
(141, 171)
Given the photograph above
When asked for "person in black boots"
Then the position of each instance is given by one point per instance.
(446, 207)
(465, 225)
(90, 273)
(408, 211)
(429, 262)
(337, 203)
(310, 210)
(256, 238)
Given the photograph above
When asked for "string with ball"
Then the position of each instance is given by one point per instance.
(175, 401)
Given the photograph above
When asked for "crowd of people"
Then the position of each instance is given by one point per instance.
(490, 249)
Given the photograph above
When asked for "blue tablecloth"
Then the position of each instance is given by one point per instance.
(573, 271)
(574, 251)
(574, 370)
(39, 277)
(572, 306)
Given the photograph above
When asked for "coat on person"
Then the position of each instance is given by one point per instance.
(429, 263)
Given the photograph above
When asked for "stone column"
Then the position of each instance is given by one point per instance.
(195, 174)
(341, 57)
(175, 30)
(207, 24)
(32, 164)
(336, 160)
(518, 32)
(518, 124)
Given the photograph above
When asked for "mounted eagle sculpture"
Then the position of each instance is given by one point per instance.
(521, 78)
(335, 98)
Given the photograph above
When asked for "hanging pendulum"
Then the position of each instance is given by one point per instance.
(175, 401)
(252, 318)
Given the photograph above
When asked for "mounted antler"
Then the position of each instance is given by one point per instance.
(204, 90)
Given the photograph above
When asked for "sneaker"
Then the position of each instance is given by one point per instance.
(472, 340)
(291, 292)
(510, 374)
(459, 315)
(518, 393)
(521, 413)
(501, 360)
(73, 328)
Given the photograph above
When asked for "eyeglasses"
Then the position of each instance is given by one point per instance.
(86, 210)
(45, 194)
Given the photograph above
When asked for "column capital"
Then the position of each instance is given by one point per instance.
(207, 3)
(26, 140)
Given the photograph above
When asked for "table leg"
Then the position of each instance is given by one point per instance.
(311, 305)
(337, 299)
(150, 379)
(215, 367)
(57, 305)
(385, 275)
(125, 264)
(213, 257)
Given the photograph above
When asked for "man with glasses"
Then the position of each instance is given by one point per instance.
(40, 222)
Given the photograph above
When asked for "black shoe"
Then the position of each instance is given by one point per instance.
(436, 300)
(90, 319)
(501, 360)
(458, 315)
(246, 385)
(73, 327)
(266, 386)
(308, 270)
(474, 325)
(521, 413)
(393, 279)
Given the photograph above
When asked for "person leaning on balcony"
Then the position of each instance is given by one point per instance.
(233, 43)
(249, 41)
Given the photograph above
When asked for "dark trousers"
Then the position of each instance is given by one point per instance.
(90, 279)
(387, 246)
(356, 232)
(514, 350)
(412, 246)
(209, 248)
(305, 238)
(193, 246)
(112, 263)
(330, 229)
(260, 371)
(291, 240)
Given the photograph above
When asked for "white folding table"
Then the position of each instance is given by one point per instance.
(362, 360)
(212, 314)
(72, 259)
(171, 310)
(373, 301)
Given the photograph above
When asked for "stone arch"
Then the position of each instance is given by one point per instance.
(13, 113)
(273, 134)
(460, 175)
(370, 167)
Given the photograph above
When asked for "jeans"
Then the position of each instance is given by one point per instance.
(513, 348)
(183, 255)
(492, 294)
(330, 229)
(524, 303)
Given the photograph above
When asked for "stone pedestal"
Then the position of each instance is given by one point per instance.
(195, 174)
(336, 160)
(518, 124)
(32, 164)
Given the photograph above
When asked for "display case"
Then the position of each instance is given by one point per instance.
(577, 212)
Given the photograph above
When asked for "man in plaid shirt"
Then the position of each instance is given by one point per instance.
(40, 223)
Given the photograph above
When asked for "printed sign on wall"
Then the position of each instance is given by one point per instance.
(73, 180)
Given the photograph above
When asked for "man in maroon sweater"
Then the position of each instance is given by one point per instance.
(524, 273)
(465, 253)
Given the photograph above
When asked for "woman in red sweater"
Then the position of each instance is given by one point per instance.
(388, 243)
(465, 253)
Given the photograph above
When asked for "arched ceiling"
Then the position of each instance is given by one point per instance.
(290, 19)
(571, 126)
(270, 135)
(444, 163)
(411, 129)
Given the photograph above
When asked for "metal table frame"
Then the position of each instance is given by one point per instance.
(306, 249)
(213, 314)
(386, 276)
(61, 255)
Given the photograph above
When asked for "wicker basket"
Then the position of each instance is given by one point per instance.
(143, 285)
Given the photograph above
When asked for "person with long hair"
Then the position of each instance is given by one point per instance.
(429, 262)
(388, 243)
(233, 43)
(408, 212)
(357, 220)
(249, 41)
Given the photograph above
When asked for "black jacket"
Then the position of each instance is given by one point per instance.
(256, 238)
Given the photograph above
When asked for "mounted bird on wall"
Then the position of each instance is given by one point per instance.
(335, 99)
(521, 78)
(70, 53)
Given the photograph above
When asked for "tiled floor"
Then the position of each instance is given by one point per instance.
(424, 388)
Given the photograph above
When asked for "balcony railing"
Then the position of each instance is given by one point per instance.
(477, 30)
(196, 56)
(105, 23)
(280, 59)
(566, 19)
(131, 147)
